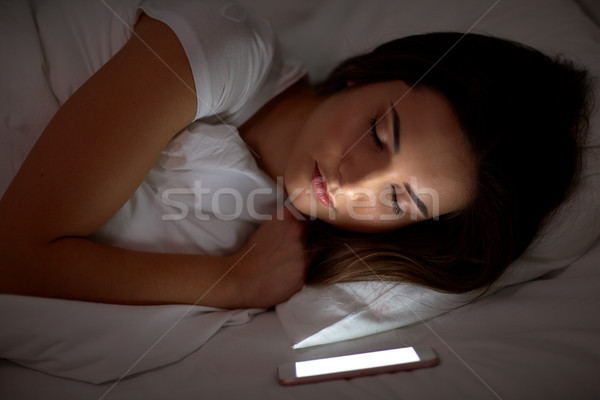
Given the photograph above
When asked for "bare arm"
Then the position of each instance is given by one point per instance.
(89, 160)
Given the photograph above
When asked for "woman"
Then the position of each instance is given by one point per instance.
(523, 116)
(367, 153)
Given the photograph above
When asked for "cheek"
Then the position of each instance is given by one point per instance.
(332, 128)
(365, 214)
(368, 223)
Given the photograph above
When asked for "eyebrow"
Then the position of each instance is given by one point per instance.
(420, 205)
(396, 124)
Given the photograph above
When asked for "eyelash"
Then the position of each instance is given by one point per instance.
(397, 209)
(373, 129)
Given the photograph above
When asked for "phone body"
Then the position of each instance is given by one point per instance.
(355, 365)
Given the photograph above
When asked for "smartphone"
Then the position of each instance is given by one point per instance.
(354, 365)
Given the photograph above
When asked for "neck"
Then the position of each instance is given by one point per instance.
(272, 131)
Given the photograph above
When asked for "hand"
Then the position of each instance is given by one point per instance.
(271, 266)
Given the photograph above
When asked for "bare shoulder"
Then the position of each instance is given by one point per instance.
(153, 70)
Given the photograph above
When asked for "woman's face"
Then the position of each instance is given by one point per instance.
(378, 157)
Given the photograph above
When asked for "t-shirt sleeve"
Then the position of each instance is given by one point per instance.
(230, 49)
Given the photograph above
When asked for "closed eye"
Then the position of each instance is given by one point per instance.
(374, 135)
(395, 206)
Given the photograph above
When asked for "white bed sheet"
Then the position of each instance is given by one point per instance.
(539, 340)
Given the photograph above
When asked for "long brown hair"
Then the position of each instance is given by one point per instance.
(524, 115)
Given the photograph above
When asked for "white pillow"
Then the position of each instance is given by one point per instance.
(337, 29)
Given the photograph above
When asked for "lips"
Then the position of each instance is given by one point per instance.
(319, 187)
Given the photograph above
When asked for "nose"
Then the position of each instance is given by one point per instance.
(359, 166)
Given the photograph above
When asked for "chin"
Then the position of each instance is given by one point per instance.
(301, 204)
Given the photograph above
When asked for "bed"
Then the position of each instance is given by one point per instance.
(535, 337)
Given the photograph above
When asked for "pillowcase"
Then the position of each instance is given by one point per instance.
(351, 310)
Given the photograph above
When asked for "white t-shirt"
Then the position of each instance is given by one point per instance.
(237, 68)
(206, 193)
(234, 56)
(235, 60)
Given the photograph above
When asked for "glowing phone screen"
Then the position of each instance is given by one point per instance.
(356, 361)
